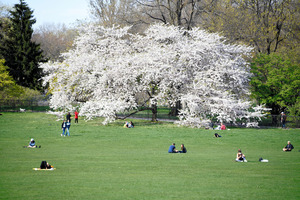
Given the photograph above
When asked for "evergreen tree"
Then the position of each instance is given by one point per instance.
(21, 54)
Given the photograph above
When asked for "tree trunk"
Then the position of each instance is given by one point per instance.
(175, 110)
(154, 112)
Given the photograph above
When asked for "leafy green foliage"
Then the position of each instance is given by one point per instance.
(276, 82)
(9, 90)
(8, 87)
(22, 56)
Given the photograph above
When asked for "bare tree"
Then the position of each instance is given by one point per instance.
(264, 24)
(54, 39)
(182, 13)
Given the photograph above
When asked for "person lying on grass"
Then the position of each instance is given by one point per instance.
(217, 135)
(45, 165)
(240, 157)
(172, 149)
(288, 147)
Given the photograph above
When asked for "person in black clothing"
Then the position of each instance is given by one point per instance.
(217, 135)
(288, 147)
(63, 127)
(183, 149)
(69, 117)
(283, 119)
(45, 165)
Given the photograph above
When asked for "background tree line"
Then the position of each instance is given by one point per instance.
(271, 27)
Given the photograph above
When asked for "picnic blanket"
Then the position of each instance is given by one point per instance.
(44, 169)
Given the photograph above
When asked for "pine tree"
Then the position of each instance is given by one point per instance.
(22, 56)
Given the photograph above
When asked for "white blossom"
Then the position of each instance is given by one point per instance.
(108, 66)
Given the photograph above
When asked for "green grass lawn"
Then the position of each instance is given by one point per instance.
(112, 162)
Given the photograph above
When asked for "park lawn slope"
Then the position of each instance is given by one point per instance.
(112, 162)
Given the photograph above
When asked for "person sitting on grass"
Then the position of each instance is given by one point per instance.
(217, 135)
(32, 144)
(183, 149)
(223, 127)
(288, 147)
(130, 125)
(126, 125)
(240, 157)
(172, 149)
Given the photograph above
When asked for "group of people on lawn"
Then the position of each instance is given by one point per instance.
(172, 149)
(65, 126)
(240, 157)
(128, 125)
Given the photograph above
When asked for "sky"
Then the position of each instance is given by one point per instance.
(55, 11)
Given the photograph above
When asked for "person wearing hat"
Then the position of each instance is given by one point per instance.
(172, 149)
(283, 119)
(32, 144)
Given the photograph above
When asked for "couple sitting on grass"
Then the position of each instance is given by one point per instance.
(172, 149)
(128, 125)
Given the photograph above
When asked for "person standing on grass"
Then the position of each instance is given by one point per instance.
(288, 147)
(68, 117)
(63, 127)
(172, 149)
(68, 128)
(76, 116)
(283, 119)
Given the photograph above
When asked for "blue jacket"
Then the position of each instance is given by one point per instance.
(68, 125)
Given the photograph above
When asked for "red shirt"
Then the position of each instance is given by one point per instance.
(223, 127)
(76, 114)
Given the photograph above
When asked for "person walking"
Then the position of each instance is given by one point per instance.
(68, 128)
(63, 127)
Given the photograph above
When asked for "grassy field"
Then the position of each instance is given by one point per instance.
(111, 162)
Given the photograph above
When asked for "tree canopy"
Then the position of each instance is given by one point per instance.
(109, 67)
(21, 55)
(276, 83)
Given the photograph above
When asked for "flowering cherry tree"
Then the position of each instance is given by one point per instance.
(109, 67)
